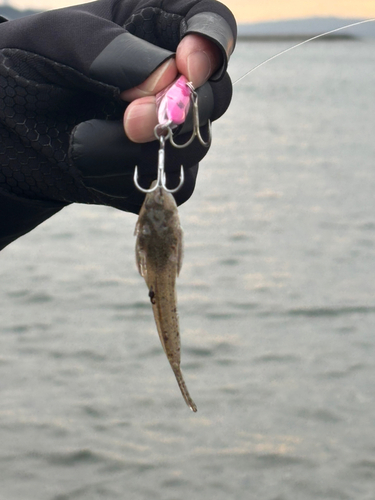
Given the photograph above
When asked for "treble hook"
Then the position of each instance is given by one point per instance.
(161, 181)
(196, 130)
(173, 104)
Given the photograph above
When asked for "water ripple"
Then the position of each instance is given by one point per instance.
(321, 415)
(277, 358)
(39, 298)
(337, 374)
(364, 468)
(199, 351)
(273, 460)
(70, 458)
(123, 306)
(331, 311)
(83, 354)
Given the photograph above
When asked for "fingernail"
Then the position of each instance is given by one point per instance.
(199, 67)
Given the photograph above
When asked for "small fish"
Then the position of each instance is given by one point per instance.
(159, 252)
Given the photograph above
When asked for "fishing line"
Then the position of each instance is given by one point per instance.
(299, 45)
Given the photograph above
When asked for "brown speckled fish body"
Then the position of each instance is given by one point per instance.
(159, 252)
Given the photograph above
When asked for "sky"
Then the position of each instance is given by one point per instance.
(253, 10)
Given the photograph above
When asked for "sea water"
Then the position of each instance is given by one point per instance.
(277, 311)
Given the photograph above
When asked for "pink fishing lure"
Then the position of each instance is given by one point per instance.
(174, 102)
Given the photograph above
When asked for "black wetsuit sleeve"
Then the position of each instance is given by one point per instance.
(61, 75)
(20, 215)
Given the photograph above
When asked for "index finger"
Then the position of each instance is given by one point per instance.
(198, 59)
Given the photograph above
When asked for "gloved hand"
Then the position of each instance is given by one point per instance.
(66, 77)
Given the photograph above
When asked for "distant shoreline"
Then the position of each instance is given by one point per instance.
(293, 38)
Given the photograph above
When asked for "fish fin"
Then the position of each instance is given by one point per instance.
(140, 257)
(141, 261)
(136, 229)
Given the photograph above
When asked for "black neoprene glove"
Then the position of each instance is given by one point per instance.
(61, 131)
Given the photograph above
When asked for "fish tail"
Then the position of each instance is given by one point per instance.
(183, 388)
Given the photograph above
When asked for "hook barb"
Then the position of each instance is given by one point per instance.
(139, 187)
(182, 179)
(196, 130)
(161, 182)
